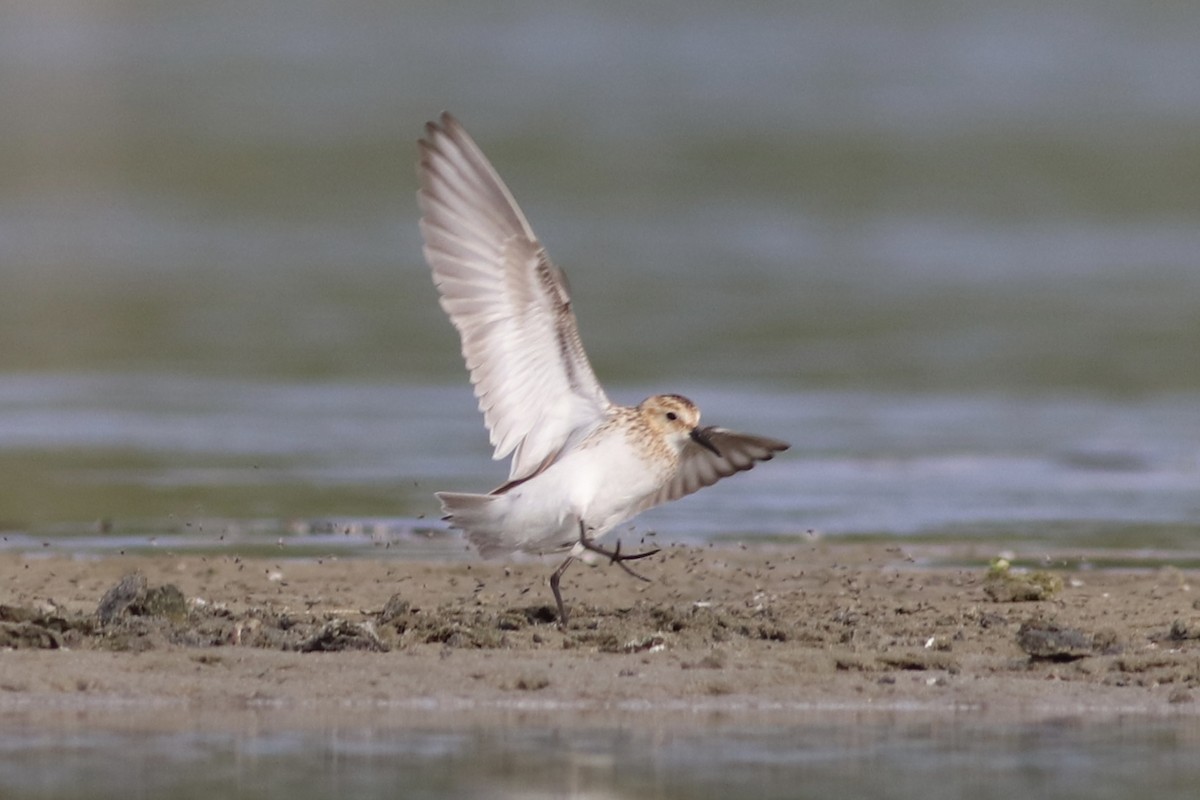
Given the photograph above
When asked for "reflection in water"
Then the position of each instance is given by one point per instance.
(864, 755)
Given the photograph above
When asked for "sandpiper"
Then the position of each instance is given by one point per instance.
(581, 464)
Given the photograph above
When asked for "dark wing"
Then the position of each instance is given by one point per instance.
(700, 467)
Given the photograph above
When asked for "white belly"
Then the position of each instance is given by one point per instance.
(601, 485)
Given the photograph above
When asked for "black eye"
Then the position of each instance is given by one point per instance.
(671, 415)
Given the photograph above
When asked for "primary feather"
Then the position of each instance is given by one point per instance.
(509, 302)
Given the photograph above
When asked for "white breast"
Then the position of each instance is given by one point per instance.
(602, 484)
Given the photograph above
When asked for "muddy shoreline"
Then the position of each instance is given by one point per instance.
(721, 636)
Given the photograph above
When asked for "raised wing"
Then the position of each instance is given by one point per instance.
(700, 467)
(510, 304)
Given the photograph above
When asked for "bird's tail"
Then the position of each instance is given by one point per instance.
(481, 518)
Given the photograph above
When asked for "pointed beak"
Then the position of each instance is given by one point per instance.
(701, 438)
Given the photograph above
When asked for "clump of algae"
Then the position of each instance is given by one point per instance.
(1003, 584)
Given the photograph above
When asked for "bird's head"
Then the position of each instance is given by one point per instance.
(677, 419)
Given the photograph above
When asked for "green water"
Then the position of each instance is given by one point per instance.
(950, 253)
(920, 197)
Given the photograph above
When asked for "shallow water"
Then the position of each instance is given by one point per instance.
(949, 253)
(194, 462)
(862, 755)
(952, 261)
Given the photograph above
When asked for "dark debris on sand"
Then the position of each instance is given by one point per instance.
(849, 631)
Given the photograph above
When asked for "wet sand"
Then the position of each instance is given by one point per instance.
(721, 634)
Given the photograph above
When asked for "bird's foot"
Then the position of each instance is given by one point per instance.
(615, 556)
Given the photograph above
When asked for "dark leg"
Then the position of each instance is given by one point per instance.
(554, 579)
(615, 556)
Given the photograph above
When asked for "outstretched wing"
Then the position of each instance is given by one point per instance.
(510, 304)
(700, 467)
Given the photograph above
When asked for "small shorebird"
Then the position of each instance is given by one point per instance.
(580, 463)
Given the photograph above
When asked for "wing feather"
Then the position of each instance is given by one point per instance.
(700, 467)
(510, 304)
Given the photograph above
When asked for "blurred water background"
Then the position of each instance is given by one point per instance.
(950, 251)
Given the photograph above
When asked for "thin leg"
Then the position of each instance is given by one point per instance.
(615, 556)
(554, 579)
